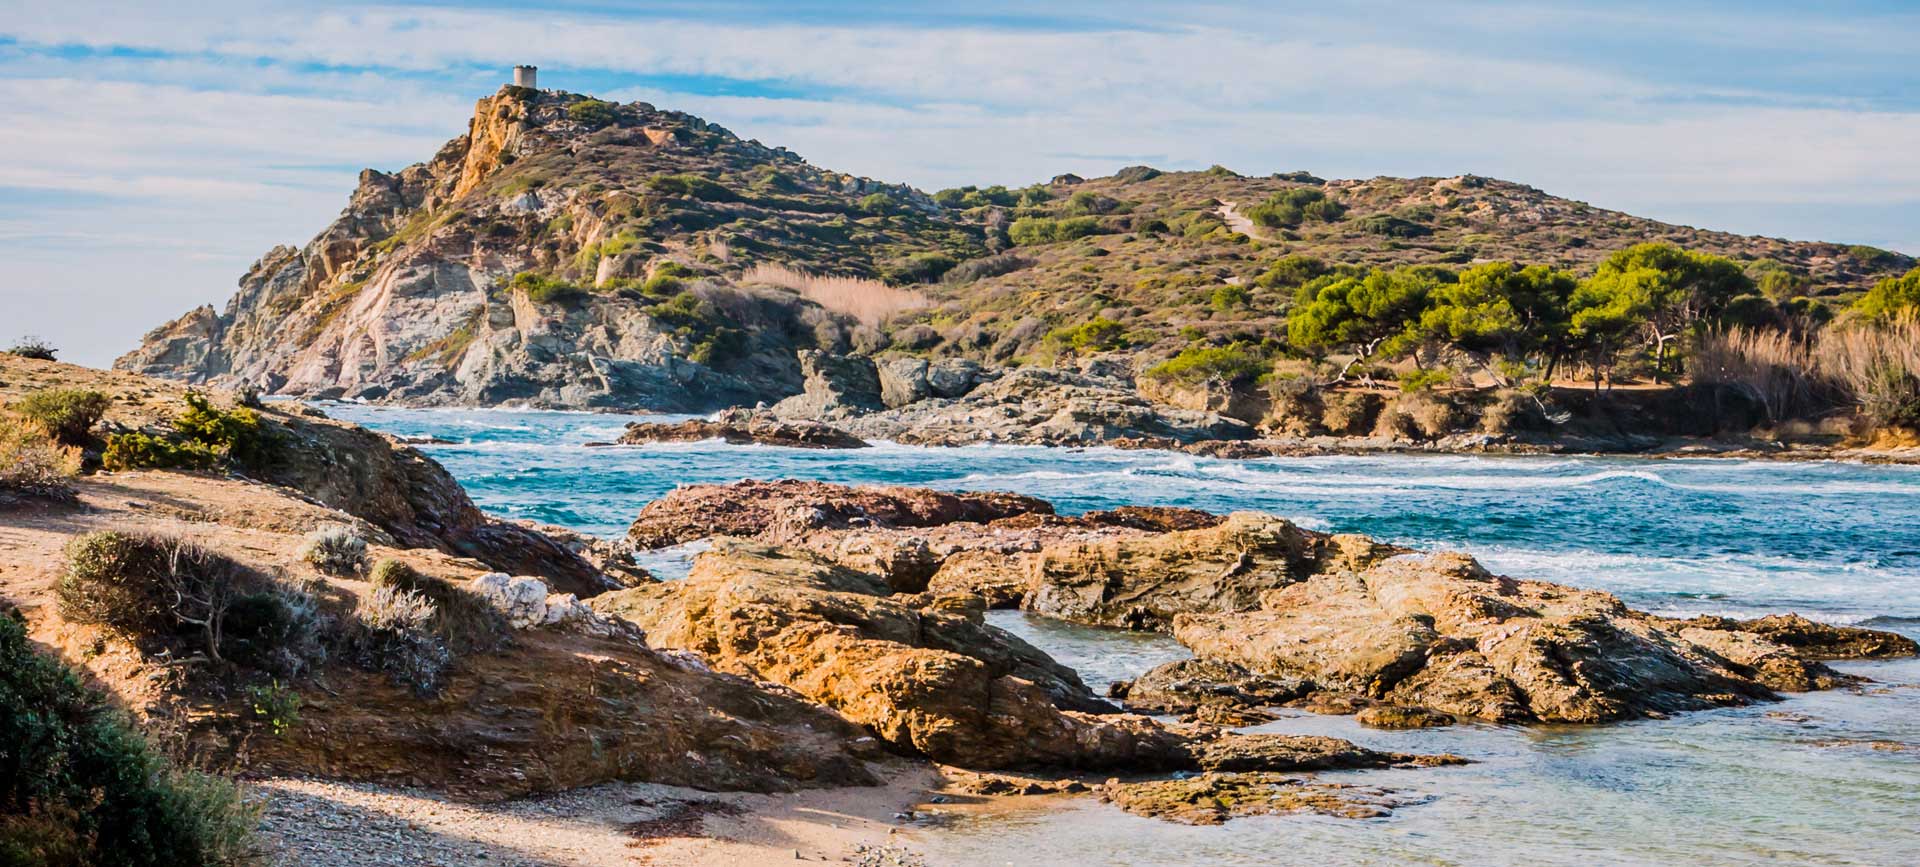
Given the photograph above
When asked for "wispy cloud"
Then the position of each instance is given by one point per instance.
(175, 143)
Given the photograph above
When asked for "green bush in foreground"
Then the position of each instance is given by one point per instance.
(79, 786)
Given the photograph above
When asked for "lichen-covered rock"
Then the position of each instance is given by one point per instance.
(1400, 716)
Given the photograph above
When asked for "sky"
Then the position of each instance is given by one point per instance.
(149, 152)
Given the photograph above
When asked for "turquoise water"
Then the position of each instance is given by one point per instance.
(1794, 782)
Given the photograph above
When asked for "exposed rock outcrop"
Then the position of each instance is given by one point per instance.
(791, 508)
(927, 680)
(1045, 406)
(740, 428)
(1437, 631)
(1212, 799)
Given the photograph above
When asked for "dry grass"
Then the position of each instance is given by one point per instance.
(1774, 368)
(31, 462)
(1879, 367)
(1875, 368)
(869, 301)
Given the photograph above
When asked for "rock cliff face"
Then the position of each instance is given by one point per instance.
(632, 225)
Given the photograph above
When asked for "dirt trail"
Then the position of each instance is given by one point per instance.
(1229, 211)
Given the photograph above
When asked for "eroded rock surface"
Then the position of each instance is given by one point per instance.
(1212, 799)
(927, 680)
(1438, 632)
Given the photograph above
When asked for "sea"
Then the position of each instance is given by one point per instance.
(1820, 778)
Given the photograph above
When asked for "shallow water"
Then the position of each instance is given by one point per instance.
(1837, 542)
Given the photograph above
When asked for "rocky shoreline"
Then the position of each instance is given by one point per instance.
(830, 640)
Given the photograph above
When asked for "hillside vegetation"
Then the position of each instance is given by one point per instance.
(568, 251)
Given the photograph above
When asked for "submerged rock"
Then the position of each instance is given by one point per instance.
(1212, 799)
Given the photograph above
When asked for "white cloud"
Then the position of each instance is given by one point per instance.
(236, 126)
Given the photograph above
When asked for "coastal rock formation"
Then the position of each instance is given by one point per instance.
(1142, 582)
(792, 507)
(740, 428)
(1042, 406)
(927, 680)
(1438, 632)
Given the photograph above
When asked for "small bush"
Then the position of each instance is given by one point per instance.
(918, 268)
(542, 289)
(1028, 231)
(34, 347)
(336, 550)
(879, 204)
(1388, 226)
(593, 112)
(693, 186)
(274, 706)
(395, 635)
(394, 573)
(151, 588)
(78, 785)
(990, 266)
(1425, 380)
(1289, 208)
(1097, 335)
(31, 462)
(1211, 364)
(140, 450)
(1228, 297)
(1348, 413)
(67, 414)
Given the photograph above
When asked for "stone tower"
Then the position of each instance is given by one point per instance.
(526, 76)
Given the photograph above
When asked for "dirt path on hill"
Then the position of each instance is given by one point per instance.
(1229, 211)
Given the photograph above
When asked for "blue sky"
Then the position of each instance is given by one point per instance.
(152, 151)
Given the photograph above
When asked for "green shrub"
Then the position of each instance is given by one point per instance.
(1289, 208)
(693, 186)
(919, 268)
(1194, 365)
(542, 289)
(78, 785)
(1425, 380)
(274, 706)
(1097, 335)
(1028, 231)
(1229, 297)
(203, 436)
(67, 414)
(1891, 298)
(389, 572)
(1219, 171)
(879, 204)
(1391, 227)
(140, 450)
(1873, 256)
(593, 112)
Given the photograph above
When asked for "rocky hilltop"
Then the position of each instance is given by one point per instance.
(563, 252)
(571, 252)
